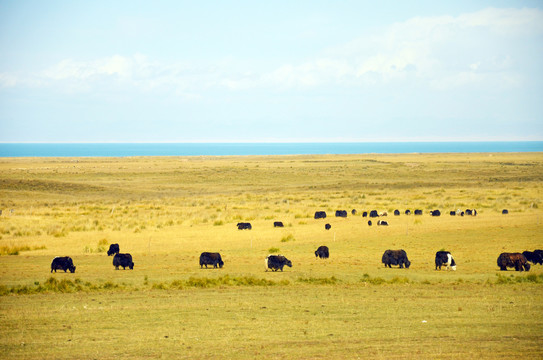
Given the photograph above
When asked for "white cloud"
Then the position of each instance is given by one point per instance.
(8, 80)
(441, 52)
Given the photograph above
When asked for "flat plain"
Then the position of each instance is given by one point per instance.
(165, 211)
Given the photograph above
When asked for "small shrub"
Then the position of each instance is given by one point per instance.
(218, 223)
(288, 238)
(273, 250)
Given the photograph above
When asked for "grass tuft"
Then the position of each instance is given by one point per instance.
(288, 238)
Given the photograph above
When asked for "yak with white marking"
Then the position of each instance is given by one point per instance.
(277, 262)
(444, 258)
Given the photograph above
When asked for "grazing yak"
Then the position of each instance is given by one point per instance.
(407, 212)
(124, 260)
(244, 226)
(278, 224)
(369, 223)
(445, 258)
(382, 223)
(113, 249)
(322, 252)
(207, 258)
(516, 260)
(435, 213)
(364, 214)
(341, 213)
(396, 257)
(327, 226)
(353, 212)
(320, 215)
(505, 211)
(452, 213)
(277, 262)
(374, 214)
(535, 257)
(471, 212)
(63, 263)
(384, 213)
(418, 212)
(396, 212)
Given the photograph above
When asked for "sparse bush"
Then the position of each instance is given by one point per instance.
(273, 250)
(288, 238)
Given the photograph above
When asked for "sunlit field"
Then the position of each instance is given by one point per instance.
(165, 211)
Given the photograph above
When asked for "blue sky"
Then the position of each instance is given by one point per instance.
(281, 71)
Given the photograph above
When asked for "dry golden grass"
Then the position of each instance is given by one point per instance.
(166, 211)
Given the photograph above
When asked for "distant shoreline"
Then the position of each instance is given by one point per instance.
(9, 150)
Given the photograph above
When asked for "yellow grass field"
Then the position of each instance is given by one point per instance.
(165, 211)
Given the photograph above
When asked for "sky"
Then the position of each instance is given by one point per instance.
(270, 71)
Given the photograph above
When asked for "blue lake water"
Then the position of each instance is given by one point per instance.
(223, 149)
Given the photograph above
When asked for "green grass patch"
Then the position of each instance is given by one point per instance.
(513, 279)
(54, 285)
(319, 281)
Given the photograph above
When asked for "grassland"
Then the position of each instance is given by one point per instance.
(166, 211)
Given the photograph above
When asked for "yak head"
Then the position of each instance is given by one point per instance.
(288, 262)
(72, 268)
(407, 264)
(221, 263)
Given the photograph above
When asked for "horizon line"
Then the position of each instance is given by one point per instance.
(267, 142)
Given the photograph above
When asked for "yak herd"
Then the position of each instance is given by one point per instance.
(518, 261)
